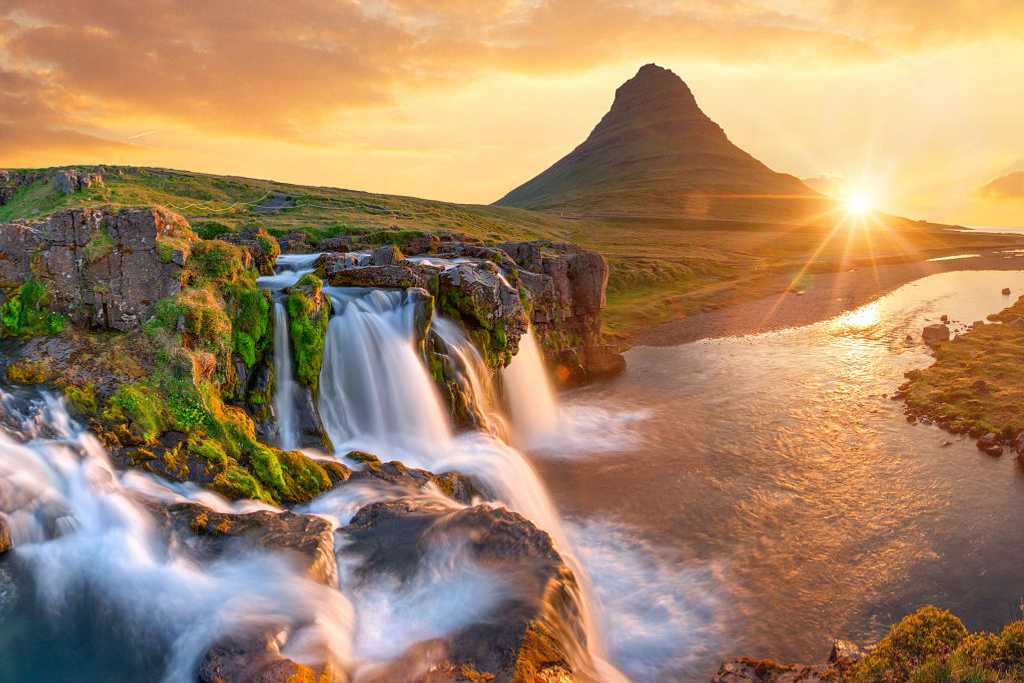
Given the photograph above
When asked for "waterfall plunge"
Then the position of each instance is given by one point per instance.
(531, 398)
(284, 385)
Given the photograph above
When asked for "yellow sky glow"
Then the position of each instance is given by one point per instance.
(462, 101)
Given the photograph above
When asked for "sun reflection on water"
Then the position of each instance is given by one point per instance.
(861, 318)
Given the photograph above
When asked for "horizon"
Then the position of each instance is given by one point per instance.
(908, 119)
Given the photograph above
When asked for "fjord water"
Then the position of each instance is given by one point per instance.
(785, 496)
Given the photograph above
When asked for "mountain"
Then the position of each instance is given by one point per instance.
(655, 153)
(1009, 186)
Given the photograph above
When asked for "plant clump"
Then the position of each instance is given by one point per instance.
(308, 315)
(26, 312)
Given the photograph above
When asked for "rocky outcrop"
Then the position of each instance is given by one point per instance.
(455, 485)
(256, 658)
(933, 334)
(746, 670)
(12, 181)
(101, 269)
(70, 181)
(567, 292)
(262, 247)
(536, 635)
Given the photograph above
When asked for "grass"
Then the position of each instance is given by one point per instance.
(976, 384)
(661, 268)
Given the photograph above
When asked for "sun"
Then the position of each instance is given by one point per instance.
(859, 203)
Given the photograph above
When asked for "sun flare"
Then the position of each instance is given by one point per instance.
(859, 203)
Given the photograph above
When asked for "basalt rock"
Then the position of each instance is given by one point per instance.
(261, 245)
(455, 485)
(344, 272)
(488, 306)
(101, 269)
(535, 635)
(70, 181)
(567, 292)
(255, 657)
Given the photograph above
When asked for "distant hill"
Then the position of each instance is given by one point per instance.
(1009, 186)
(656, 154)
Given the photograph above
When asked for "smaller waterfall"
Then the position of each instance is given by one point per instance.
(531, 398)
(375, 392)
(284, 387)
(474, 375)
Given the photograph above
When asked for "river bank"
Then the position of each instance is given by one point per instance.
(821, 296)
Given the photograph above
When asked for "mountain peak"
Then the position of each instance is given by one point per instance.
(655, 152)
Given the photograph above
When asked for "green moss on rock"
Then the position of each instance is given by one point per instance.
(308, 315)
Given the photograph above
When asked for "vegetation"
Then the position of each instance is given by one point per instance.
(26, 312)
(932, 645)
(976, 384)
(308, 315)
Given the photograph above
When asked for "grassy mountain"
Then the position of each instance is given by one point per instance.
(656, 154)
(1010, 186)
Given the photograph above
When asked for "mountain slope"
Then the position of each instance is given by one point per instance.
(1010, 186)
(655, 153)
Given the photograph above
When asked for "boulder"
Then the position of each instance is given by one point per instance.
(306, 539)
(844, 653)
(387, 255)
(933, 334)
(533, 636)
(335, 244)
(295, 243)
(989, 444)
(455, 485)
(256, 658)
(102, 269)
(340, 273)
(5, 535)
(263, 248)
(1006, 291)
(69, 181)
(488, 306)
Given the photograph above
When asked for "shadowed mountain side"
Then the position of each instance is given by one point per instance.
(655, 153)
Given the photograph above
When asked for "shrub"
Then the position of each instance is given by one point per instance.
(26, 313)
(927, 633)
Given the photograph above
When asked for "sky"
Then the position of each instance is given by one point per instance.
(915, 103)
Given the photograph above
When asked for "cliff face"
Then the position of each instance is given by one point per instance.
(101, 269)
(655, 153)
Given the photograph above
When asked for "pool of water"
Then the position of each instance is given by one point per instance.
(766, 495)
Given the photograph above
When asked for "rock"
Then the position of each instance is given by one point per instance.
(1016, 322)
(387, 255)
(944, 318)
(1018, 443)
(747, 670)
(488, 306)
(933, 334)
(306, 539)
(531, 636)
(262, 247)
(1006, 291)
(425, 244)
(101, 269)
(980, 386)
(335, 244)
(455, 485)
(989, 444)
(400, 276)
(256, 658)
(977, 323)
(295, 243)
(844, 653)
(72, 180)
(5, 535)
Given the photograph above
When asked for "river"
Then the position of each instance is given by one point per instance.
(763, 494)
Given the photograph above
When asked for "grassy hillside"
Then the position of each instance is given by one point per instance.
(661, 269)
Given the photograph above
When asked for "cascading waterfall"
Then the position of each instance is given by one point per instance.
(376, 394)
(530, 396)
(93, 552)
(473, 374)
(284, 385)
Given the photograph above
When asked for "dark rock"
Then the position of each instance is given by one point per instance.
(263, 249)
(387, 255)
(844, 653)
(5, 535)
(306, 539)
(484, 301)
(335, 244)
(255, 658)
(455, 485)
(747, 670)
(1018, 443)
(533, 636)
(990, 445)
(72, 180)
(399, 276)
(1006, 291)
(295, 243)
(933, 334)
(944, 318)
(101, 269)
(425, 244)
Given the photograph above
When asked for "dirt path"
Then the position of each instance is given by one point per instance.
(825, 295)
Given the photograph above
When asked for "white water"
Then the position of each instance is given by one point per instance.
(86, 540)
(530, 396)
(284, 384)
(474, 376)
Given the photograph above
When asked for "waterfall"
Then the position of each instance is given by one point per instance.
(530, 396)
(474, 375)
(101, 573)
(375, 393)
(284, 385)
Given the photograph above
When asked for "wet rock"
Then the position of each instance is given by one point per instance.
(305, 539)
(488, 306)
(6, 543)
(933, 334)
(844, 653)
(102, 269)
(455, 485)
(295, 243)
(387, 255)
(262, 247)
(989, 444)
(533, 636)
(399, 276)
(1006, 291)
(335, 244)
(256, 658)
(944, 318)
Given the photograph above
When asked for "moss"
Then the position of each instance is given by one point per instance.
(220, 261)
(29, 372)
(209, 450)
(235, 483)
(26, 312)
(250, 322)
(83, 399)
(141, 408)
(927, 633)
(99, 246)
(210, 230)
(165, 252)
(307, 322)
